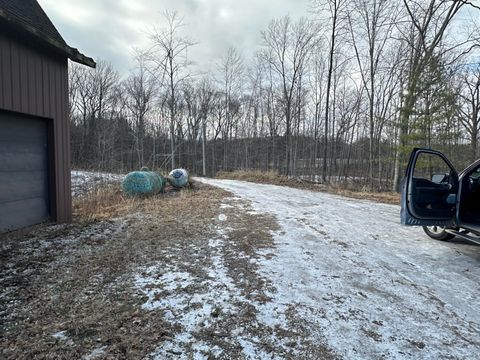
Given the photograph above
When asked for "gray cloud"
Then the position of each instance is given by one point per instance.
(110, 29)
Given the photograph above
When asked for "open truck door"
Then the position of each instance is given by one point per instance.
(429, 190)
(446, 204)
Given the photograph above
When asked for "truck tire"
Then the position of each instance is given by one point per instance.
(437, 233)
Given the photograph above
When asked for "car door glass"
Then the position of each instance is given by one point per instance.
(433, 168)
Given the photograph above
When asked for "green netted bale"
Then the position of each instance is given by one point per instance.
(178, 178)
(143, 183)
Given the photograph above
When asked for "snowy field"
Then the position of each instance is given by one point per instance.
(363, 285)
(84, 182)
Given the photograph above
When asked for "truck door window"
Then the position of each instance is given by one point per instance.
(432, 168)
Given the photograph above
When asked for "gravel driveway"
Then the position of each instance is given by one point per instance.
(363, 284)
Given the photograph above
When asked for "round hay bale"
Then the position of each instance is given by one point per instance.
(178, 178)
(143, 183)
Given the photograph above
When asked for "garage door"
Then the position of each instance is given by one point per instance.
(23, 171)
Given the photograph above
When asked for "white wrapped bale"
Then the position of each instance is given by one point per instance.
(178, 178)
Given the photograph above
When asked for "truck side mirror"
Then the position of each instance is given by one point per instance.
(439, 178)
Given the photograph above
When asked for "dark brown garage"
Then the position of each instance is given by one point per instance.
(34, 124)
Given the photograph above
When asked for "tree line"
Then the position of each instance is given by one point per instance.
(341, 95)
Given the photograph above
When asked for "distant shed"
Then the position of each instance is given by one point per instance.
(34, 124)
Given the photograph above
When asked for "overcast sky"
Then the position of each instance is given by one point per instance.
(110, 29)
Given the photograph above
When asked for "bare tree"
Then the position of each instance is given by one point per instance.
(230, 77)
(207, 93)
(140, 87)
(470, 112)
(371, 23)
(169, 55)
(93, 94)
(336, 10)
(286, 48)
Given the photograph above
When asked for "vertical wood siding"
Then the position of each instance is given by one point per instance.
(36, 83)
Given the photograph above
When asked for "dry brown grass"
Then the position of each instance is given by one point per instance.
(108, 201)
(265, 177)
(102, 203)
(275, 178)
(76, 278)
(382, 197)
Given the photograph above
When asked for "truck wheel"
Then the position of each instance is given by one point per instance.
(437, 233)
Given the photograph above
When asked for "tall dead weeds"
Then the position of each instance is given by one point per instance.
(275, 178)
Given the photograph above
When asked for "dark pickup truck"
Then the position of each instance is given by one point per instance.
(438, 198)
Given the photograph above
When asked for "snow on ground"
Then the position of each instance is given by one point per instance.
(370, 287)
(85, 181)
(166, 289)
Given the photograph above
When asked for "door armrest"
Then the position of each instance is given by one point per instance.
(452, 199)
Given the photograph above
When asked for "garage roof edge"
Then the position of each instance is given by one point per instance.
(39, 26)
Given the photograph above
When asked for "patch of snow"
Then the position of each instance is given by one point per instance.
(94, 231)
(84, 182)
(217, 297)
(154, 279)
(96, 353)
(61, 335)
(272, 314)
(222, 217)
